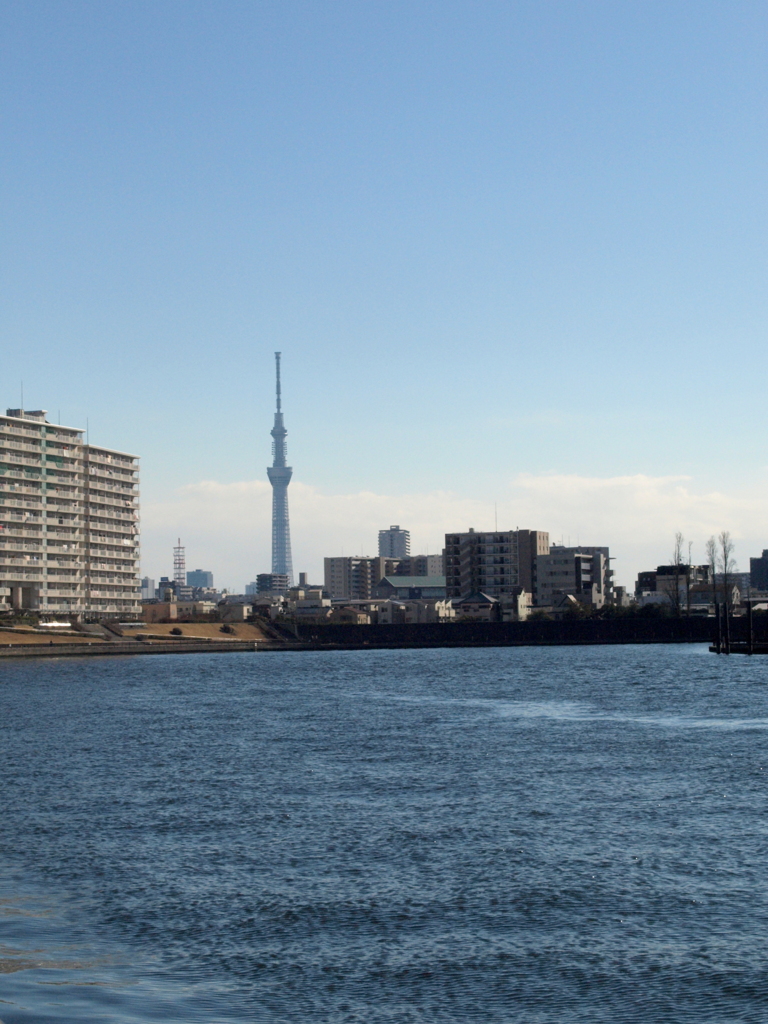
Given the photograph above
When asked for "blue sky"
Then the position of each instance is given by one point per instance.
(512, 253)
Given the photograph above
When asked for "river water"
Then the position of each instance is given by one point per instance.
(534, 835)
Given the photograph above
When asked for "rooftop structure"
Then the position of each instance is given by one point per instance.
(280, 476)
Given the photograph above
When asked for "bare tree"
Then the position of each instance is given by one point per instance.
(726, 564)
(688, 581)
(678, 568)
(711, 549)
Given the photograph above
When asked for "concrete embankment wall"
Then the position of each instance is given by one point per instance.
(501, 634)
(60, 650)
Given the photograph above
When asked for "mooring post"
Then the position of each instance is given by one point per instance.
(750, 631)
(718, 630)
(727, 629)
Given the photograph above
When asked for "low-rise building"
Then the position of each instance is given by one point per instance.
(177, 611)
(578, 572)
(671, 585)
(349, 616)
(234, 612)
(394, 611)
(411, 587)
(309, 606)
(477, 607)
(515, 607)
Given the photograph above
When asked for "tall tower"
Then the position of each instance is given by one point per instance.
(280, 476)
(179, 564)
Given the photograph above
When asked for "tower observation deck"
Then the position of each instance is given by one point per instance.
(280, 476)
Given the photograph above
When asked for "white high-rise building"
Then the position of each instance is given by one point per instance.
(69, 522)
(394, 543)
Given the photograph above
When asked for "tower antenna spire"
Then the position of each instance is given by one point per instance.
(280, 476)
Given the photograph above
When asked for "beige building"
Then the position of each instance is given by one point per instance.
(579, 572)
(69, 522)
(395, 611)
(352, 578)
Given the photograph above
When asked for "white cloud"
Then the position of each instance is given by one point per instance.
(226, 527)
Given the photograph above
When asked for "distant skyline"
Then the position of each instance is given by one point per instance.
(513, 255)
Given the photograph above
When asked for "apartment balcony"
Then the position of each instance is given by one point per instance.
(17, 459)
(113, 459)
(122, 485)
(115, 496)
(114, 535)
(114, 514)
(66, 437)
(112, 595)
(13, 507)
(11, 444)
(20, 499)
(18, 487)
(113, 604)
(17, 516)
(9, 532)
(62, 446)
(106, 462)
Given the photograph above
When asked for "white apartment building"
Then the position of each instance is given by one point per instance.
(69, 522)
(394, 543)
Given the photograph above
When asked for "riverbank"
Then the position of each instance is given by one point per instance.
(53, 649)
(198, 638)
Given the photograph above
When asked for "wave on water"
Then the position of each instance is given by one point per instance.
(573, 711)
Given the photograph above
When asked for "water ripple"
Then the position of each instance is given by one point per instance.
(511, 836)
